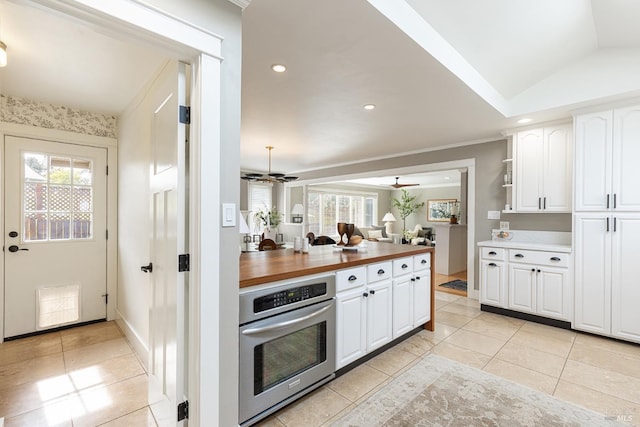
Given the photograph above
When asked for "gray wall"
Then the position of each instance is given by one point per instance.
(489, 194)
(423, 195)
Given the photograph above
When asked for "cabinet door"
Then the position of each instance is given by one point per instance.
(592, 284)
(493, 283)
(350, 327)
(625, 292)
(626, 152)
(528, 165)
(593, 158)
(553, 297)
(557, 169)
(421, 297)
(402, 305)
(522, 282)
(379, 309)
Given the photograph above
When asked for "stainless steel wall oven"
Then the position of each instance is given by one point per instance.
(287, 344)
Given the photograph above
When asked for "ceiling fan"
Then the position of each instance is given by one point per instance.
(398, 185)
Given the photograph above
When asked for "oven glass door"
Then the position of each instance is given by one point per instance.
(285, 357)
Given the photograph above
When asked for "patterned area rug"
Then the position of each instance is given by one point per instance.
(460, 285)
(441, 392)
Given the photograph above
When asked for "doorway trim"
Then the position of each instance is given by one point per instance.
(200, 48)
(469, 164)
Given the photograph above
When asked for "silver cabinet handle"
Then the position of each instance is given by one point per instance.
(253, 331)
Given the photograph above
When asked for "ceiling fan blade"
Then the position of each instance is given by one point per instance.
(398, 185)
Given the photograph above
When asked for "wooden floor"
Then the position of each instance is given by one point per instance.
(443, 278)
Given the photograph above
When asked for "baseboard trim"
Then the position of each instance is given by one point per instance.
(60, 328)
(141, 349)
(526, 316)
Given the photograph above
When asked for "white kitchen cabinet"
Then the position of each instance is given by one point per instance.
(493, 280)
(522, 288)
(363, 311)
(543, 167)
(351, 325)
(379, 308)
(421, 289)
(607, 150)
(607, 271)
(402, 305)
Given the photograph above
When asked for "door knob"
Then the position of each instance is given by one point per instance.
(14, 248)
(147, 268)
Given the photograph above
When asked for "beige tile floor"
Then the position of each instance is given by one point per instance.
(90, 376)
(597, 373)
(85, 376)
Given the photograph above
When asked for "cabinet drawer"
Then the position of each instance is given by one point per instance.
(492, 253)
(379, 271)
(402, 266)
(421, 262)
(350, 278)
(553, 259)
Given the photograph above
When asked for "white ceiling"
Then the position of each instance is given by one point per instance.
(440, 73)
(449, 178)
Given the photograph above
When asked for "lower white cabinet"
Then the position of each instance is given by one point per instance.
(411, 293)
(363, 313)
(528, 281)
(607, 270)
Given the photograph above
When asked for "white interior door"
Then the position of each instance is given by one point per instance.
(55, 234)
(168, 240)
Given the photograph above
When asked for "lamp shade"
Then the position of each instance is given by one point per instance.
(244, 228)
(388, 217)
(3, 54)
(298, 209)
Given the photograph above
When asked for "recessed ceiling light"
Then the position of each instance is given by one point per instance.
(368, 106)
(279, 68)
(524, 120)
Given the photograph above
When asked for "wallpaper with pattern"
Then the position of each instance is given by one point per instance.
(34, 113)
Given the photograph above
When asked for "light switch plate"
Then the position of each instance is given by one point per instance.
(493, 215)
(228, 214)
(504, 225)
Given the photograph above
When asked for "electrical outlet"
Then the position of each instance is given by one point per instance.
(504, 225)
(493, 215)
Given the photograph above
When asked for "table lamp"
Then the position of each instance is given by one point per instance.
(296, 213)
(389, 219)
(244, 229)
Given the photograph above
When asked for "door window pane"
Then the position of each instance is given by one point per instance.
(57, 198)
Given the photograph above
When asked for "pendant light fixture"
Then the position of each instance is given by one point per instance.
(271, 176)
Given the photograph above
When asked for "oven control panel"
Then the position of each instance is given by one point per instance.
(288, 296)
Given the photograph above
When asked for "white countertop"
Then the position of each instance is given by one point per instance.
(535, 240)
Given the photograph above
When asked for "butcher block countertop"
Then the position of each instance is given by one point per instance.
(269, 266)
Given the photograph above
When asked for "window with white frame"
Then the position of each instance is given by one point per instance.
(325, 208)
(260, 199)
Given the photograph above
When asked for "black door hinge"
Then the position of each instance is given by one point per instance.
(183, 262)
(185, 115)
(183, 410)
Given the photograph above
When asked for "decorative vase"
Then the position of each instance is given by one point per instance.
(453, 219)
(342, 230)
(350, 229)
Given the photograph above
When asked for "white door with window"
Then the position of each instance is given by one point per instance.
(168, 239)
(55, 243)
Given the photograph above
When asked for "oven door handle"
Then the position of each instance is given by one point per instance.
(253, 331)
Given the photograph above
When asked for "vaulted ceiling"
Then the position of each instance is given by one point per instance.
(440, 73)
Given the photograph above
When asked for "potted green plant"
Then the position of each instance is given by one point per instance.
(406, 205)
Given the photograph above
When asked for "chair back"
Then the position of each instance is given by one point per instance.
(267, 245)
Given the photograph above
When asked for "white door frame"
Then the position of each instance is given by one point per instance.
(202, 50)
(110, 144)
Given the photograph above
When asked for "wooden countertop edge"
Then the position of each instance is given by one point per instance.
(258, 280)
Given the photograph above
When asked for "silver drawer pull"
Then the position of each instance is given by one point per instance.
(519, 256)
(352, 278)
(554, 258)
(380, 272)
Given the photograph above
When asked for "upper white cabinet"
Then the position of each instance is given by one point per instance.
(607, 153)
(543, 168)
